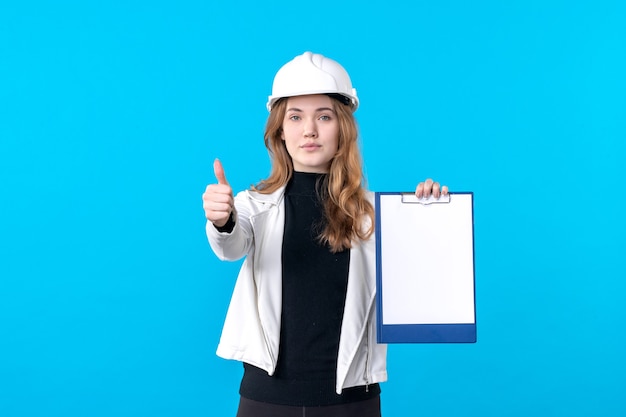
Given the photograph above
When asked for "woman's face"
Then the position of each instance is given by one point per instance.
(311, 132)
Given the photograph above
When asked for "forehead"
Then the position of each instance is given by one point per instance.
(313, 101)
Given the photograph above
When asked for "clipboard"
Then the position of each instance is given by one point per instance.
(425, 268)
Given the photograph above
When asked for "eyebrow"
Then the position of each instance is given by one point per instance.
(316, 110)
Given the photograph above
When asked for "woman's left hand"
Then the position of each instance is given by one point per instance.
(428, 187)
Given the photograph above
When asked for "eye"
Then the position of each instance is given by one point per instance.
(294, 117)
(325, 117)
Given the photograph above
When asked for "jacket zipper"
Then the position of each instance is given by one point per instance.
(367, 358)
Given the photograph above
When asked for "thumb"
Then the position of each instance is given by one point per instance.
(219, 172)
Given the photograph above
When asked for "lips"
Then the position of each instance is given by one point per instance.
(310, 146)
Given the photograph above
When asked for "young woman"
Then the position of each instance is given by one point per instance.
(302, 314)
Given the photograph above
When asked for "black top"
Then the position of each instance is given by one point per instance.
(315, 281)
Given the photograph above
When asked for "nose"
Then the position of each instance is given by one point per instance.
(310, 129)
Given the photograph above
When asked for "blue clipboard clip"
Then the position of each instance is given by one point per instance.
(411, 198)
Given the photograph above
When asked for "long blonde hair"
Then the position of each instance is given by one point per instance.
(348, 214)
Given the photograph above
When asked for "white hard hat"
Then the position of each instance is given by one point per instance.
(311, 73)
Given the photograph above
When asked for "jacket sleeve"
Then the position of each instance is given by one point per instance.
(233, 245)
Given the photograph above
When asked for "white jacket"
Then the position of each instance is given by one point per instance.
(251, 330)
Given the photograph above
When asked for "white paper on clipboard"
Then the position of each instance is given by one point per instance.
(425, 268)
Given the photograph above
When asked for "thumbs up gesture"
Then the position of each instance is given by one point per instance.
(218, 198)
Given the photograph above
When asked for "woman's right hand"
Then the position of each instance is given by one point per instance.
(218, 198)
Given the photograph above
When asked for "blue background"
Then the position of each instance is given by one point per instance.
(111, 113)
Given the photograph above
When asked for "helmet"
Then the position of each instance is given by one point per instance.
(311, 73)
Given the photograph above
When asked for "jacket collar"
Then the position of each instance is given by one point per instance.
(272, 198)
